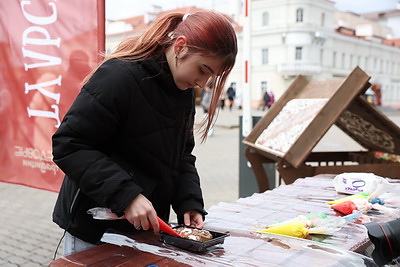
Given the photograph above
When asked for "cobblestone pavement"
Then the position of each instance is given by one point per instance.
(29, 237)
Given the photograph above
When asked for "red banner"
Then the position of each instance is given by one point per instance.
(47, 47)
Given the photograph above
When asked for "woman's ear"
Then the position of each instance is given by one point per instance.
(180, 47)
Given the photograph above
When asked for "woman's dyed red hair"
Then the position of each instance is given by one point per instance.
(207, 33)
(211, 34)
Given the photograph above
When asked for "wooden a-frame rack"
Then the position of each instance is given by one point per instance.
(289, 131)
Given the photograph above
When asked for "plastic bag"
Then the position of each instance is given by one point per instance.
(104, 214)
(356, 182)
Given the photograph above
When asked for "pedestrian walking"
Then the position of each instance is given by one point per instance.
(231, 95)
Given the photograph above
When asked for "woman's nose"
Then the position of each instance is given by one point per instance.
(202, 81)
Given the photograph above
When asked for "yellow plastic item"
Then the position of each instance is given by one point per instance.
(340, 200)
(292, 228)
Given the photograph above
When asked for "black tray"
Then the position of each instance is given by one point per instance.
(192, 245)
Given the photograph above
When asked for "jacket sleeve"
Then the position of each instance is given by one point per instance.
(189, 195)
(78, 144)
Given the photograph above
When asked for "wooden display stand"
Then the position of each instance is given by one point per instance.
(294, 125)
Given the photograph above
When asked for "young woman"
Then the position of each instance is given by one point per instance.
(126, 142)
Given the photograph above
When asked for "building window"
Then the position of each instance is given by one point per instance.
(265, 56)
(351, 61)
(321, 57)
(334, 59)
(265, 19)
(298, 54)
(343, 60)
(299, 15)
(263, 86)
(323, 19)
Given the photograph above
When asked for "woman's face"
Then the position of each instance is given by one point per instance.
(195, 69)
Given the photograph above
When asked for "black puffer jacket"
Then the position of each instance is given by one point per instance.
(129, 131)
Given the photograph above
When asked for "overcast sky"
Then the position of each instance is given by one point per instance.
(117, 9)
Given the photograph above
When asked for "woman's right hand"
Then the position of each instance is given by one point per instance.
(141, 213)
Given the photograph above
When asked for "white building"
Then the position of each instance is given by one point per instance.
(311, 38)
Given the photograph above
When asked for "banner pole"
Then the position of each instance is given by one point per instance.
(101, 22)
(247, 124)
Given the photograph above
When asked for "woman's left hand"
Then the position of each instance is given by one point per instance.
(193, 218)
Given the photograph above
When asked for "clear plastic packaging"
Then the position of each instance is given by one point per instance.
(359, 182)
(100, 213)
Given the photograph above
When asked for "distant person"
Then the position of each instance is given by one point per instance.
(261, 102)
(126, 142)
(222, 101)
(370, 96)
(231, 93)
(271, 99)
(266, 100)
(376, 88)
(206, 103)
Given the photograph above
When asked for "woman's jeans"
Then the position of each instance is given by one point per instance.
(73, 244)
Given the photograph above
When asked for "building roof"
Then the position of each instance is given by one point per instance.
(141, 23)
(366, 26)
(382, 14)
